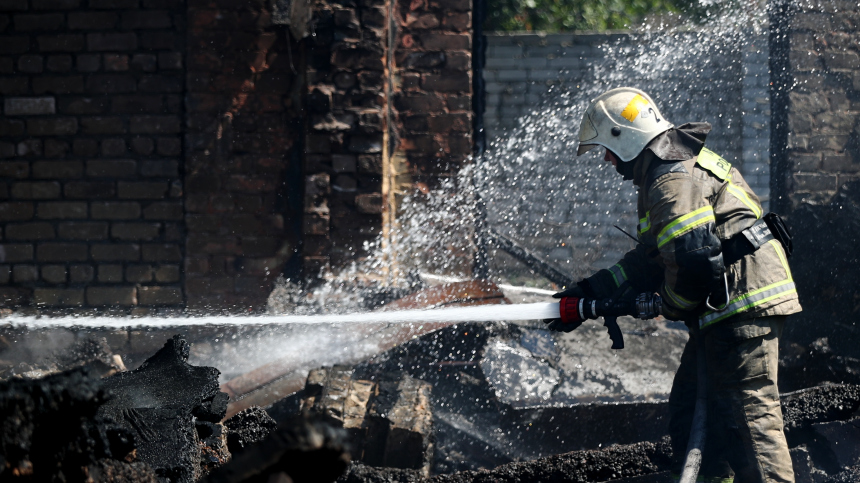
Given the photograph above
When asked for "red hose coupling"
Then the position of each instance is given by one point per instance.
(570, 309)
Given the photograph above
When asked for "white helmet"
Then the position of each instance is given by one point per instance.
(623, 120)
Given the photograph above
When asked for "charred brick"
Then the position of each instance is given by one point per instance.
(111, 83)
(58, 297)
(111, 295)
(36, 190)
(115, 210)
(160, 295)
(89, 189)
(102, 125)
(29, 231)
(58, 169)
(111, 168)
(111, 41)
(61, 252)
(115, 252)
(60, 43)
(59, 126)
(89, 20)
(59, 63)
(84, 230)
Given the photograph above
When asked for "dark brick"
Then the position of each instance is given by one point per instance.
(155, 295)
(112, 295)
(162, 168)
(160, 83)
(82, 105)
(164, 210)
(136, 104)
(115, 252)
(162, 253)
(48, 21)
(138, 273)
(114, 4)
(29, 147)
(144, 62)
(169, 146)
(7, 150)
(61, 210)
(16, 211)
(447, 82)
(13, 5)
(89, 62)
(58, 169)
(14, 85)
(111, 83)
(155, 124)
(29, 106)
(89, 189)
(58, 297)
(92, 20)
(56, 4)
(102, 125)
(30, 231)
(61, 252)
(111, 168)
(59, 63)
(55, 148)
(54, 273)
(85, 230)
(52, 126)
(145, 190)
(16, 252)
(143, 146)
(85, 147)
(840, 163)
(38, 190)
(4, 22)
(14, 45)
(111, 42)
(113, 147)
(116, 62)
(25, 273)
(5, 274)
(146, 19)
(115, 210)
(11, 128)
(170, 60)
(58, 84)
(167, 274)
(158, 40)
(81, 273)
(60, 43)
(110, 273)
(135, 231)
(30, 64)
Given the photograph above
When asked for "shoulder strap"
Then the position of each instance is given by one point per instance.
(714, 164)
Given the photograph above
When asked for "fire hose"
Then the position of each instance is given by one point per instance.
(575, 310)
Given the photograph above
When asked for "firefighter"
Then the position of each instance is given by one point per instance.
(712, 258)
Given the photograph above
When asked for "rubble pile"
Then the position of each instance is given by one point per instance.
(50, 431)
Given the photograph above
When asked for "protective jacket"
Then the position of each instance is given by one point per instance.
(691, 201)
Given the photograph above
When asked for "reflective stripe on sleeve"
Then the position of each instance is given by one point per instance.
(781, 254)
(748, 301)
(618, 274)
(742, 195)
(645, 223)
(686, 223)
(677, 300)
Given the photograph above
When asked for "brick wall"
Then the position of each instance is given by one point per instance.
(823, 57)
(90, 176)
(166, 155)
(243, 125)
(346, 78)
(816, 163)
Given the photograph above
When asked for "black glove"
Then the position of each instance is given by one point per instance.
(556, 324)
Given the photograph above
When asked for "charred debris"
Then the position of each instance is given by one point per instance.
(425, 410)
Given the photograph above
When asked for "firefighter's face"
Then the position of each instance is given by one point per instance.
(610, 157)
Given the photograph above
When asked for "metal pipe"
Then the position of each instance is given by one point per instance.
(698, 430)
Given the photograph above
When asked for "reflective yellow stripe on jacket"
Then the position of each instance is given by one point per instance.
(685, 223)
(619, 276)
(755, 298)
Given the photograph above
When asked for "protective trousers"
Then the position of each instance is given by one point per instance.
(744, 430)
